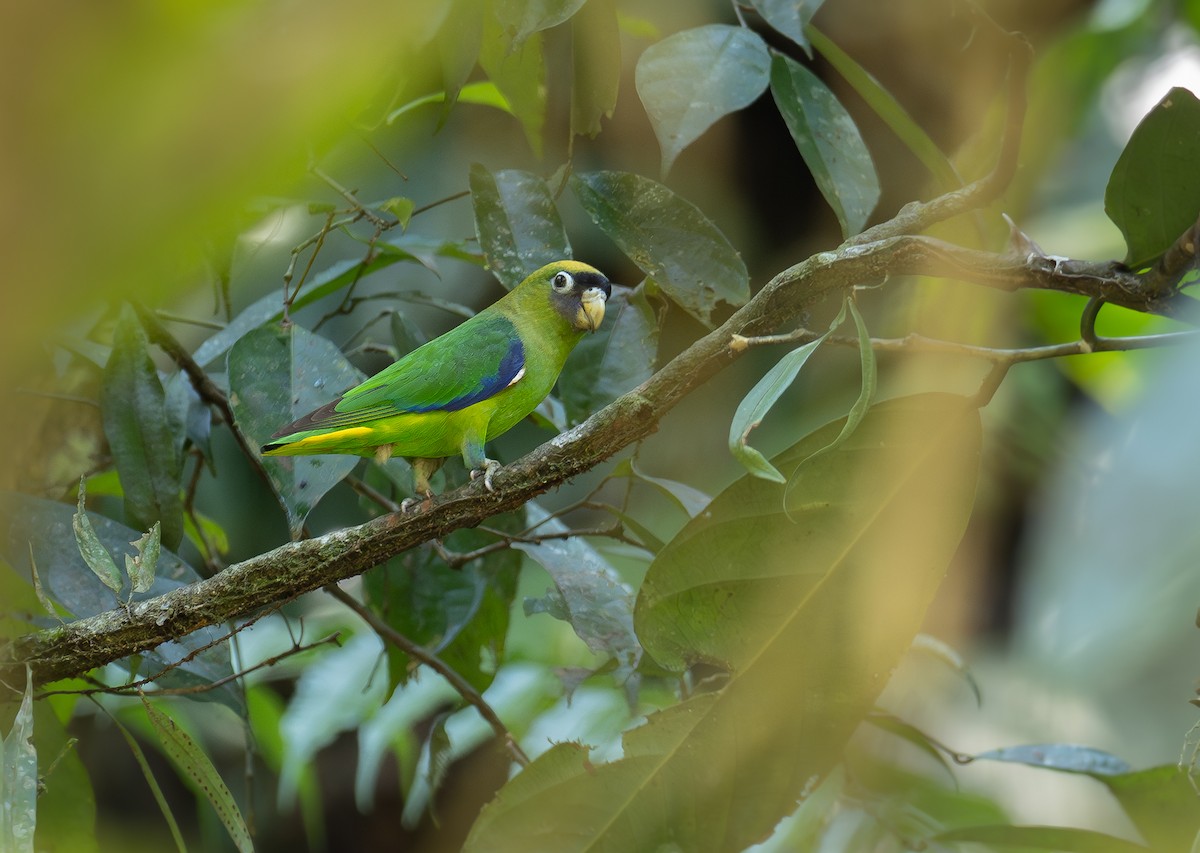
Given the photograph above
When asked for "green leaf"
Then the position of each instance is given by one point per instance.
(828, 141)
(148, 774)
(807, 615)
(691, 79)
(1048, 838)
(483, 93)
(616, 359)
(517, 223)
(142, 567)
(519, 72)
(277, 375)
(401, 208)
(907, 731)
(789, 17)
(41, 530)
(889, 109)
(1162, 803)
(588, 593)
(523, 18)
(461, 615)
(595, 65)
(192, 763)
(19, 778)
(866, 394)
(1066, 757)
(1153, 194)
(94, 554)
(138, 429)
(668, 238)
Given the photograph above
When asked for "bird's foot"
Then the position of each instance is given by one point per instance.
(490, 467)
(413, 504)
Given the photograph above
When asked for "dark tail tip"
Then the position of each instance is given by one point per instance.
(267, 448)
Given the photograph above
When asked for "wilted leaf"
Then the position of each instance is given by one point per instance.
(138, 429)
(141, 568)
(194, 765)
(616, 359)
(517, 223)
(808, 617)
(693, 78)
(828, 141)
(94, 554)
(668, 238)
(1153, 194)
(595, 65)
(277, 375)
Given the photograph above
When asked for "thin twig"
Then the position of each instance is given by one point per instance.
(423, 655)
(507, 540)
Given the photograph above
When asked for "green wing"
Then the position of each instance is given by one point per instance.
(470, 363)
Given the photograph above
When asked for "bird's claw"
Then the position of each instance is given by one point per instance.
(490, 467)
(411, 504)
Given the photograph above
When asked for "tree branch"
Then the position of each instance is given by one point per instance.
(299, 567)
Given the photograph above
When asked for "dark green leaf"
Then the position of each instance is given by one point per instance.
(523, 18)
(41, 530)
(517, 223)
(138, 429)
(693, 78)
(668, 238)
(595, 65)
(789, 17)
(616, 359)
(1060, 756)
(588, 593)
(406, 334)
(1162, 803)
(458, 42)
(1153, 194)
(277, 375)
(828, 141)
(461, 615)
(148, 774)
(191, 417)
(1053, 839)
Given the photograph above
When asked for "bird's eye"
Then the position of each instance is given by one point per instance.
(562, 282)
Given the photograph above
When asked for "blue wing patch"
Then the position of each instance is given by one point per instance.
(510, 366)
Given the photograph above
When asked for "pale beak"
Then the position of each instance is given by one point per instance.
(591, 309)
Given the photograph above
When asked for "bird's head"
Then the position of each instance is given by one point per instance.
(576, 291)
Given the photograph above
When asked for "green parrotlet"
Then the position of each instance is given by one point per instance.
(464, 388)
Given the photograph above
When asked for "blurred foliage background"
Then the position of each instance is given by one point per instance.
(175, 155)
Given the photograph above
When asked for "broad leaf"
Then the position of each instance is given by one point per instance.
(616, 359)
(277, 375)
(693, 78)
(668, 238)
(789, 17)
(807, 617)
(588, 593)
(517, 223)
(461, 615)
(1153, 194)
(1162, 803)
(42, 530)
(138, 429)
(828, 141)
(595, 65)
